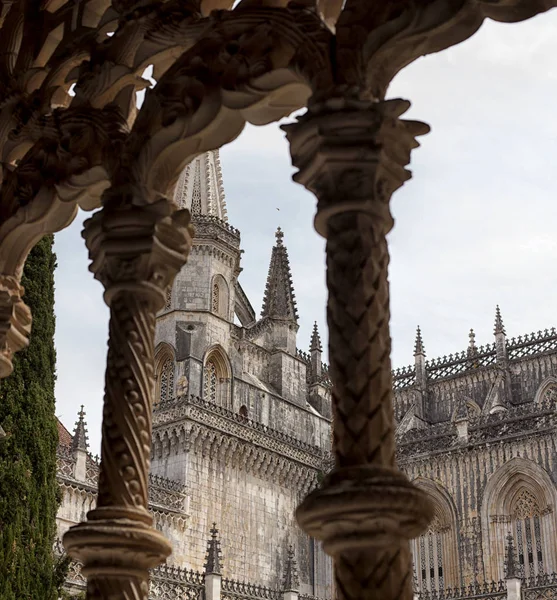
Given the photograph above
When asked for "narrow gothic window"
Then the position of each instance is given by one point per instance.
(215, 299)
(166, 385)
(244, 411)
(428, 554)
(210, 381)
(527, 529)
(168, 302)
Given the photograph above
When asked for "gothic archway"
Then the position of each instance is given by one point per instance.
(220, 297)
(217, 377)
(520, 499)
(435, 552)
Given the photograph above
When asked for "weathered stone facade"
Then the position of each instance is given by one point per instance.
(477, 431)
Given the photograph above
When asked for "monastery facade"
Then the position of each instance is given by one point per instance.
(241, 433)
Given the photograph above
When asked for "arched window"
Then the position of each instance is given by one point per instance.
(211, 381)
(528, 533)
(244, 411)
(216, 378)
(434, 553)
(219, 296)
(167, 380)
(519, 499)
(164, 373)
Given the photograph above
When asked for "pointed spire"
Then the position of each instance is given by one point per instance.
(511, 566)
(213, 557)
(279, 301)
(419, 344)
(80, 441)
(291, 583)
(499, 327)
(472, 349)
(315, 343)
(200, 187)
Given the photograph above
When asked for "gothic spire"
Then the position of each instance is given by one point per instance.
(200, 187)
(315, 343)
(80, 441)
(499, 327)
(472, 349)
(291, 583)
(213, 557)
(511, 566)
(419, 344)
(279, 301)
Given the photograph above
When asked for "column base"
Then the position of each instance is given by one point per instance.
(362, 507)
(117, 543)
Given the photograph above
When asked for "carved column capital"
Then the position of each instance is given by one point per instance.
(352, 154)
(15, 322)
(136, 251)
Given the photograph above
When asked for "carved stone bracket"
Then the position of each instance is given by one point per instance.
(352, 154)
(15, 322)
(136, 251)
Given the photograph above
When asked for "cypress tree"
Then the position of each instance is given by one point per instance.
(28, 488)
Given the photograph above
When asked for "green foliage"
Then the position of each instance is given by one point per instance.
(28, 489)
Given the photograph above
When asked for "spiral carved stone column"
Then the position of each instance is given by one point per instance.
(352, 154)
(136, 252)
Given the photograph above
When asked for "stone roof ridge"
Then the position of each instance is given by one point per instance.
(200, 187)
(80, 440)
(279, 301)
(290, 582)
(315, 342)
(213, 556)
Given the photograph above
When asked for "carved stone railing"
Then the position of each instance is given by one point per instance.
(164, 493)
(174, 583)
(517, 421)
(495, 590)
(404, 377)
(233, 590)
(310, 597)
(535, 343)
(194, 407)
(541, 587)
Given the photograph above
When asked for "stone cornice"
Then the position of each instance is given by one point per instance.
(180, 411)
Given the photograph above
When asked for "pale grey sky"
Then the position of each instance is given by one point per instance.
(474, 227)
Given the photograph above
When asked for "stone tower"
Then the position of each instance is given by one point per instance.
(234, 420)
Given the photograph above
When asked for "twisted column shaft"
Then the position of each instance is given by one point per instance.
(136, 251)
(352, 155)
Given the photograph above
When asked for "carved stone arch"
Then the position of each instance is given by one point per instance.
(474, 409)
(547, 391)
(499, 518)
(220, 297)
(217, 377)
(435, 553)
(165, 373)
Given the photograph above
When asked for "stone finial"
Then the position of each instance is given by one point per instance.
(419, 344)
(315, 343)
(499, 327)
(213, 557)
(461, 409)
(80, 440)
(279, 301)
(291, 583)
(472, 349)
(511, 566)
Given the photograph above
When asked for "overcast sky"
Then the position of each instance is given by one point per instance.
(475, 227)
